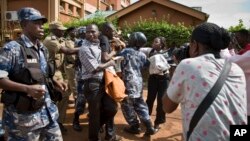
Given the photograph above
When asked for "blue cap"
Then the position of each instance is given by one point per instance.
(31, 14)
(82, 30)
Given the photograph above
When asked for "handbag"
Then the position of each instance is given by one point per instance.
(208, 100)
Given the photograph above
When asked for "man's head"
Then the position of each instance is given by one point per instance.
(242, 37)
(108, 29)
(71, 32)
(81, 32)
(31, 22)
(92, 33)
(57, 28)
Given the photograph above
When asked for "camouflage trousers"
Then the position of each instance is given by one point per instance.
(51, 132)
(80, 100)
(1, 128)
(132, 108)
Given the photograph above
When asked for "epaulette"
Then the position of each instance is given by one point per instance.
(11, 45)
(53, 37)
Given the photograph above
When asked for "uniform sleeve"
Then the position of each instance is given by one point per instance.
(69, 44)
(9, 55)
(53, 46)
(144, 60)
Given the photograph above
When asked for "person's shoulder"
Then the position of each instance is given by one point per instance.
(84, 45)
(103, 37)
(141, 54)
(51, 38)
(13, 45)
(189, 63)
(126, 50)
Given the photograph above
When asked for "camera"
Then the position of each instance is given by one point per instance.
(181, 53)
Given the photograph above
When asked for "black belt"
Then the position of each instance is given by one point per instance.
(159, 76)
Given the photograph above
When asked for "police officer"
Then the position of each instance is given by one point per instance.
(55, 43)
(28, 125)
(69, 61)
(81, 101)
(3, 74)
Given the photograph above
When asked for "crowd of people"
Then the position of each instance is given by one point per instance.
(39, 74)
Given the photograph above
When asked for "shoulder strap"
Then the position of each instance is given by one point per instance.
(22, 49)
(208, 100)
(151, 53)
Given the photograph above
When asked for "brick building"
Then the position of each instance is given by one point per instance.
(63, 10)
(159, 10)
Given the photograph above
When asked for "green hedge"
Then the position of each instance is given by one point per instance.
(174, 34)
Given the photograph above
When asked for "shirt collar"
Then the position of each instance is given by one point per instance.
(28, 43)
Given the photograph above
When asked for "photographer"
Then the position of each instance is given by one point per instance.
(194, 79)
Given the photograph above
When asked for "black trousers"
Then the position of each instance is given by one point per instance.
(102, 108)
(157, 86)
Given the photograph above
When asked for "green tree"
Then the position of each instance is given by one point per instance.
(237, 27)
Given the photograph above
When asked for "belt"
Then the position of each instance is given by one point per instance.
(159, 76)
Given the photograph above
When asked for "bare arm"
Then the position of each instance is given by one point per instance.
(105, 65)
(61, 85)
(107, 56)
(168, 105)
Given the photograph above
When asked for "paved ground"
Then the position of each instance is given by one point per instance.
(170, 131)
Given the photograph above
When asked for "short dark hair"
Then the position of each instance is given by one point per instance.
(211, 35)
(107, 25)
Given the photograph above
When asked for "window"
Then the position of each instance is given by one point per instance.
(61, 8)
(70, 10)
(78, 11)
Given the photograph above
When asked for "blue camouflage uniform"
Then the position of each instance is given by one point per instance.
(81, 100)
(3, 74)
(134, 105)
(28, 126)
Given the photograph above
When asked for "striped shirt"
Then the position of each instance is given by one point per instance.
(90, 57)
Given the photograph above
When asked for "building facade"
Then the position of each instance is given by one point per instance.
(62, 10)
(159, 10)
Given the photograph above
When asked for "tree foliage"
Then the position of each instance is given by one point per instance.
(174, 34)
(237, 27)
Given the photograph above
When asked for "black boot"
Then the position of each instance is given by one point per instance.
(2, 138)
(133, 129)
(76, 123)
(150, 130)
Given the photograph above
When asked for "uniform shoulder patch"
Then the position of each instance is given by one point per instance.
(53, 37)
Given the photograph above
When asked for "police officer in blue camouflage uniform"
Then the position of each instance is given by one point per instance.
(42, 123)
(134, 106)
(81, 100)
(3, 74)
